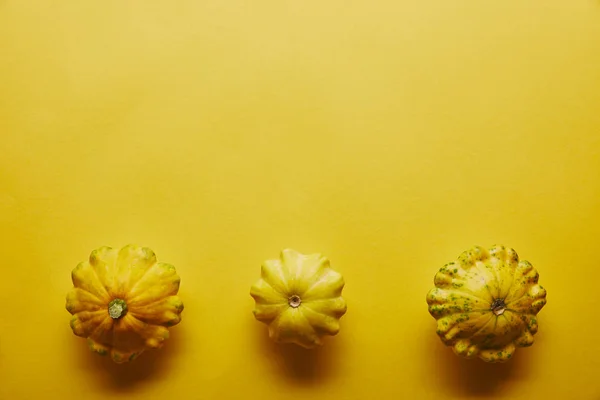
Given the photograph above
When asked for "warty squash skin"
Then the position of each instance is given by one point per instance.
(123, 301)
(299, 297)
(486, 303)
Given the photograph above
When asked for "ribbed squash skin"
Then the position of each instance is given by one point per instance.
(299, 297)
(130, 276)
(486, 303)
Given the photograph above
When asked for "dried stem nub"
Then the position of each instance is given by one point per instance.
(498, 306)
(294, 301)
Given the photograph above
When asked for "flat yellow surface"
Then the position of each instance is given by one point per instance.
(388, 135)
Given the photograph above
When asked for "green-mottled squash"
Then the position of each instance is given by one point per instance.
(486, 303)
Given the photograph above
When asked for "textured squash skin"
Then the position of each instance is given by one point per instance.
(130, 283)
(486, 303)
(299, 298)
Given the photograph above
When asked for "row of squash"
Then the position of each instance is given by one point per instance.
(123, 301)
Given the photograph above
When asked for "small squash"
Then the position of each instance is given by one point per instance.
(486, 303)
(299, 298)
(123, 301)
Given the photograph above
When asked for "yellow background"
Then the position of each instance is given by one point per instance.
(390, 136)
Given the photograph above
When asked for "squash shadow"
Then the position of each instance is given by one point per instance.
(471, 377)
(299, 365)
(151, 365)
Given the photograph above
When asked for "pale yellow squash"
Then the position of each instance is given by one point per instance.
(299, 298)
(486, 303)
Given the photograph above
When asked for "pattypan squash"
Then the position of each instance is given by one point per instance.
(299, 297)
(486, 303)
(123, 301)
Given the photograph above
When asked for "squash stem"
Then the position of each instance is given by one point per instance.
(117, 308)
(498, 306)
(294, 301)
